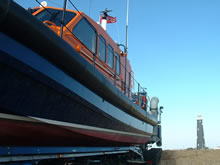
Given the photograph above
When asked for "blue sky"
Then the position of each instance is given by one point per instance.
(174, 51)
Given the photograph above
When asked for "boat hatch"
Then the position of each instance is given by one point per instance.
(55, 16)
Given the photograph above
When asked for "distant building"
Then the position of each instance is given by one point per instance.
(200, 133)
(217, 148)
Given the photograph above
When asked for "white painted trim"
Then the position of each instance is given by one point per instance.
(65, 124)
(16, 117)
(60, 123)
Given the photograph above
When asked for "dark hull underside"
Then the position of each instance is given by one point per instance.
(18, 133)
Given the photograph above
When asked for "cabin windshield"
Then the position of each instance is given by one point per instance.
(55, 16)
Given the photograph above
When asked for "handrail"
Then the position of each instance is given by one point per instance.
(49, 22)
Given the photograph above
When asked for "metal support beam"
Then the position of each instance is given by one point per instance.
(63, 17)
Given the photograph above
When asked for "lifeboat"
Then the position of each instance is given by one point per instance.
(64, 83)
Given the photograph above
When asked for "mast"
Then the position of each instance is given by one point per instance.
(63, 17)
(126, 50)
(103, 19)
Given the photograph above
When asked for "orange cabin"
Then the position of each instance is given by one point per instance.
(92, 42)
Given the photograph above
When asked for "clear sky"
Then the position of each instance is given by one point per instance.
(174, 49)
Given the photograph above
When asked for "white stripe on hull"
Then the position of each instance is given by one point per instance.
(65, 124)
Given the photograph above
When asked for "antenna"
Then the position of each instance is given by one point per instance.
(127, 27)
(105, 12)
(126, 48)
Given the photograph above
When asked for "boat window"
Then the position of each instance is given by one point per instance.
(117, 63)
(110, 56)
(55, 16)
(86, 34)
(102, 48)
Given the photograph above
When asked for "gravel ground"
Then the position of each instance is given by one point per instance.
(190, 157)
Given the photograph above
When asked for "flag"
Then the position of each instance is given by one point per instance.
(110, 19)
